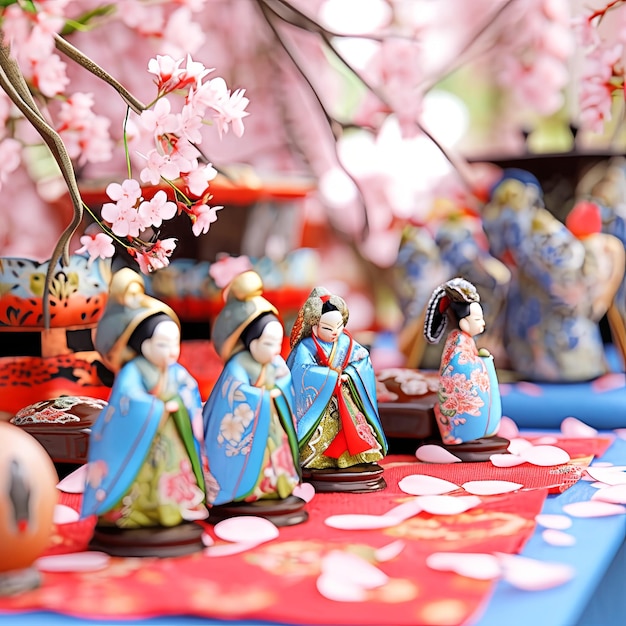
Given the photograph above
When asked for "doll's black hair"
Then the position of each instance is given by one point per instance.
(145, 330)
(255, 328)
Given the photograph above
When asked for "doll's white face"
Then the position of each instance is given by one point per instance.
(163, 348)
(474, 323)
(330, 326)
(268, 346)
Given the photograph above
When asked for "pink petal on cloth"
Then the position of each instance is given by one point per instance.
(530, 389)
(207, 540)
(432, 453)
(472, 565)
(608, 382)
(558, 538)
(506, 460)
(405, 510)
(246, 528)
(573, 427)
(546, 440)
(305, 491)
(534, 575)
(490, 487)
(508, 428)
(74, 562)
(357, 521)
(553, 521)
(593, 508)
(448, 505)
(613, 493)
(64, 514)
(424, 485)
(390, 551)
(353, 569)
(74, 482)
(228, 549)
(335, 588)
(545, 456)
(620, 432)
(518, 444)
(608, 475)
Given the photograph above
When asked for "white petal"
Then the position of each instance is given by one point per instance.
(608, 475)
(74, 482)
(305, 491)
(613, 493)
(390, 551)
(557, 522)
(353, 569)
(534, 575)
(227, 549)
(405, 510)
(423, 485)
(472, 565)
(448, 505)
(64, 514)
(518, 444)
(490, 487)
(361, 521)
(431, 453)
(508, 428)
(74, 562)
(506, 460)
(593, 508)
(558, 537)
(573, 427)
(545, 456)
(338, 589)
(246, 528)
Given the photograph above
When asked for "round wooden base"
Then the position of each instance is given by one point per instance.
(479, 449)
(158, 541)
(361, 478)
(285, 512)
(17, 581)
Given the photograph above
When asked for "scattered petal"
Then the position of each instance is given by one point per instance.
(545, 456)
(74, 562)
(613, 493)
(356, 521)
(608, 475)
(518, 444)
(472, 565)
(390, 551)
(448, 505)
(335, 588)
(546, 440)
(246, 528)
(608, 382)
(353, 569)
(508, 428)
(573, 427)
(432, 453)
(554, 521)
(533, 575)
(423, 485)
(558, 538)
(227, 549)
(65, 514)
(490, 487)
(74, 482)
(620, 432)
(593, 508)
(305, 491)
(207, 540)
(506, 460)
(405, 510)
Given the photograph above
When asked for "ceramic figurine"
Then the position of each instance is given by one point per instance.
(28, 495)
(551, 326)
(468, 406)
(145, 472)
(340, 434)
(249, 427)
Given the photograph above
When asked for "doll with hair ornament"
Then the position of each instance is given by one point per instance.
(249, 426)
(340, 434)
(145, 474)
(468, 408)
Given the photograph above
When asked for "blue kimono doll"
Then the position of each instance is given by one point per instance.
(249, 427)
(145, 468)
(468, 403)
(335, 389)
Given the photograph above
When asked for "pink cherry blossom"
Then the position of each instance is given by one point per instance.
(190, 124)
(164, 67)
(96, 246)
(10, 158)
(157, 256)
(198, 178)
(125, 194)
(153, 212)
(49, 75)
(231, 110)
(124, 220)
(202, 217)
(160, 120)
(182, 33)
(227, 267)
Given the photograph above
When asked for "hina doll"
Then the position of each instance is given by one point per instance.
(249, 427)
(468, 406)
(340, 434)
(145, 478)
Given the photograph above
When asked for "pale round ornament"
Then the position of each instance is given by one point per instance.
(28, 495)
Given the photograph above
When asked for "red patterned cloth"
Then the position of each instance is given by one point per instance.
(277, 581)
